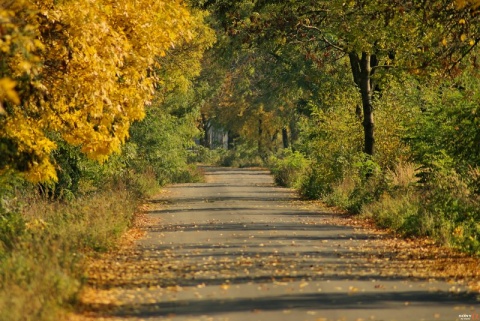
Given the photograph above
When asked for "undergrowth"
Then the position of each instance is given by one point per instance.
(44, 242)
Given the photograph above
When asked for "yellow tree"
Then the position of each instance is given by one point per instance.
(464, 3)
(83, 69)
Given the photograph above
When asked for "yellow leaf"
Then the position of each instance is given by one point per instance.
(463, 37)
(225, 286)
(7, 90)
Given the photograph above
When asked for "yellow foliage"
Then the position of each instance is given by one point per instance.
(464, 3)
(84, 69)
(7, 91)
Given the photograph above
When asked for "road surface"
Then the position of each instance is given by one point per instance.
(238, 248)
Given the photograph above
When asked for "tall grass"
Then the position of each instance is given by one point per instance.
(41, 260)
(444, 207)
(408, 199)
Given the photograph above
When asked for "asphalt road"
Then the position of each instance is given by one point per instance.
(239, 248)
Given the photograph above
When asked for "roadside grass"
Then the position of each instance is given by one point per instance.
(42, 259)
(441, 204)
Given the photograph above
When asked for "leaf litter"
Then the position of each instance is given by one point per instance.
(132, 274)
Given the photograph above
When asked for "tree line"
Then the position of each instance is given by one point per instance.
(369, 105)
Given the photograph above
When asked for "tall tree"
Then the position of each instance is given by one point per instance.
(378, 37)
(82, 69)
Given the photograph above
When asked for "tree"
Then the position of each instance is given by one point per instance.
(378, 37)
(83, 69)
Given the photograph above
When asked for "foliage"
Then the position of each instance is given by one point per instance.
(43, 245)
(288, 169)
(379, 39)
(443, 208)
(82, 70)
(340, 79)
(244, 155)
(76, 75)
(447, 125)
(162, 143)
(205, 155)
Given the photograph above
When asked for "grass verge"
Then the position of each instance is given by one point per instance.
(42, 258)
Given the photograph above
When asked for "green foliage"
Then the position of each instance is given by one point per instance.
(162, 143)
(289, 168)
(244, 154)
(12, 223)
(12, 227)
(443, 207)
(363, 182)
(400, 213)
(43, 249)
(447, 128)
(456, 210)
(315, 184)
(205, 155)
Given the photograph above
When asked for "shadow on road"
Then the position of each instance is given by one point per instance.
(235, 233)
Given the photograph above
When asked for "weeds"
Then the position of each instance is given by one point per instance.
(444, 208)
(43, 245)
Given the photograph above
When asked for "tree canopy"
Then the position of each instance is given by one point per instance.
(84, 69)
(376, 38)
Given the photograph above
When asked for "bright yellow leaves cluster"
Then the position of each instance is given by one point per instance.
(82, 68)
(464, 3)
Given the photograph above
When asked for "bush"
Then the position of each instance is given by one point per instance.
(340, 193)
(12, 227)
(456, 209)
(444, 207)
(315, 184)
(348, 184)
(204, 155)
(289, 168)
(400, 213)
(244, 155)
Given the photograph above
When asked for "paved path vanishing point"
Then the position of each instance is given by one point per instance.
(239, 248)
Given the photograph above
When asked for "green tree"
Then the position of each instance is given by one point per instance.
(377, 37)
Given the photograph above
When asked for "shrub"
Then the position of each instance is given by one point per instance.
(444, 206)
(456, 208)
(400, 213)
(204, 155)
(244, 155)
(315, 183)
(289, 168)
(340, 193)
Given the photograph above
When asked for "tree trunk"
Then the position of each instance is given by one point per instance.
(205, 140)
(294, 132)
(231, 140)
(362, 70)
(260, 134)
(285, 138)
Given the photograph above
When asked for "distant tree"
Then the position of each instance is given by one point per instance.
(377, 37)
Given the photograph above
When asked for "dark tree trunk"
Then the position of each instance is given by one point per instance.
(294, 132)
(231, 140)
(260, 134)
(362, 70)
(205, 140)
(285, 141)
